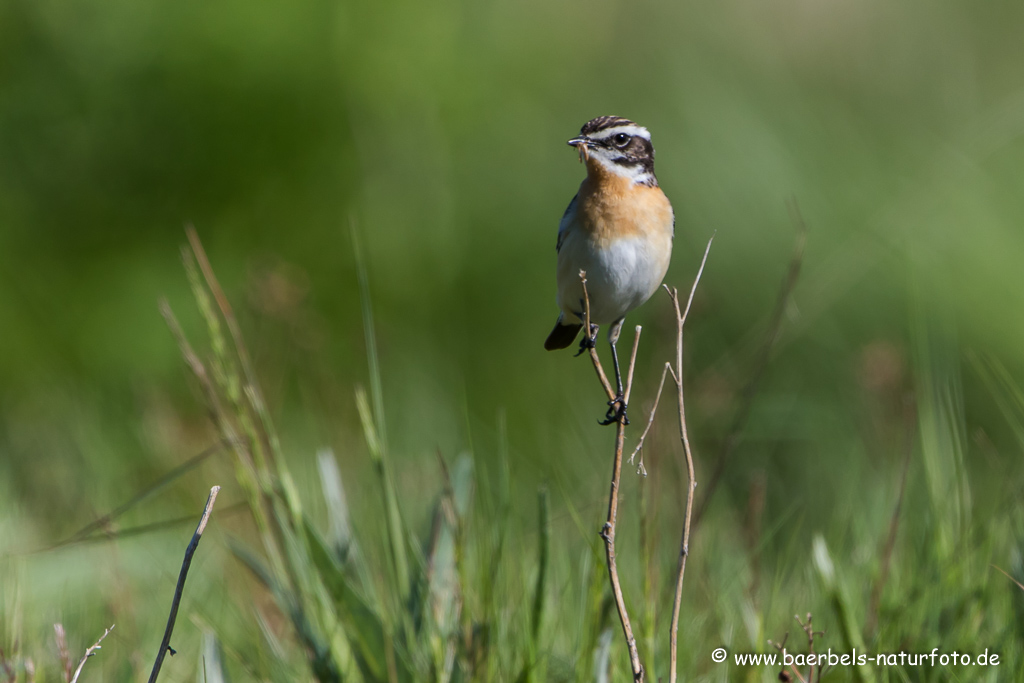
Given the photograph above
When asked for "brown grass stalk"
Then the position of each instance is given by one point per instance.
(608, 530)
(677, 375)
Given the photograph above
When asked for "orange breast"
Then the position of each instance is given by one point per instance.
(611, 207)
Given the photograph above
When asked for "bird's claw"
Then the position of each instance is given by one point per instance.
(588, 342)
(616, 412)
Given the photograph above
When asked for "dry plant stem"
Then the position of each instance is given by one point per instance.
(89, 653)
(780, 647)
(810, 632)
(677, 375)
(608, 531)
(593, 350)
(179, 589)
(650, 421)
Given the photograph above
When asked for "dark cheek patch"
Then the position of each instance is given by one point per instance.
(641, 148)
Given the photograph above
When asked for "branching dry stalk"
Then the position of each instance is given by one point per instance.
(608, 532)
(785, 675)
(89, 653)
(640, 469)
(793, 672)
(165, 644)
(677, 375)
(810, 633)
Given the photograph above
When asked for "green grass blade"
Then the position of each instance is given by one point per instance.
(852, 638)
(321, 662)
(366, 630)
(603, 656)
(340, 531)
(533, 669)
(392, 515)
(370, 334)
(942, 426)
(444, 560)
(211, 663)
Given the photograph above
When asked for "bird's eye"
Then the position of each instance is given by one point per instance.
(621, 140)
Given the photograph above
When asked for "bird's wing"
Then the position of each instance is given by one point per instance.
(567, 218)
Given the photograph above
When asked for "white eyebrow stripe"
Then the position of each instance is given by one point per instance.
(638, 131)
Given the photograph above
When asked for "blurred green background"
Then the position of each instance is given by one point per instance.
(436, 132)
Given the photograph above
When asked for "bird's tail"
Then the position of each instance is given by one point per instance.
(563, 335)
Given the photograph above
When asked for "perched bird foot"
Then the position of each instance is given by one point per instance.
(616, 412)
(589, 341)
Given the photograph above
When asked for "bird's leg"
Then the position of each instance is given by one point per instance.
(617, 406)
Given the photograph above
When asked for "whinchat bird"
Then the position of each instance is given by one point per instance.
(618, 229)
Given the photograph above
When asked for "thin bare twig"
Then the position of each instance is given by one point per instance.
(608, 530)
(781, 647)
(650, 421)
(810, 632)
(593, 349)
(732, 439)
(684, 548)
(165, 644)
(89, 653)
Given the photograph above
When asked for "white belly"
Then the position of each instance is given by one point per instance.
(620, 276)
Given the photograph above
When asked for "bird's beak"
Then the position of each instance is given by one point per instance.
(582, 144)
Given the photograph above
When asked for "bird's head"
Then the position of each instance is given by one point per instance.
(614, 145)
